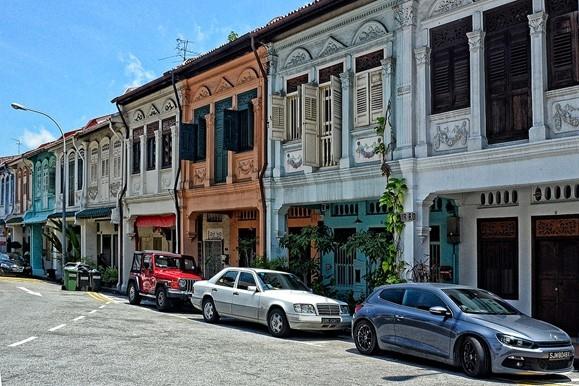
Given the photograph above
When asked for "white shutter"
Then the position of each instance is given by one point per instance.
(361, 114)
(310, 133)
(278, 121)
(376, 96)
(336, 88)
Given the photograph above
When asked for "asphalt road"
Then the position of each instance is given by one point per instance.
(53, 337)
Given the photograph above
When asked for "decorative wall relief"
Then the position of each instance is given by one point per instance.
(297, 57)
(93, 192)
(451, 135)
(331, 46)
(405, 14)
(245, 167)
(568, 115)
(246, 76)
(166, 181)
(138, 116)
(365, 149)
(294, 161)
(224, 85)
(114, 188)
(203, 92)
(153, 111)
(444, 6)
(199, 176)
(169, 105)
(369, 31)
(136, 186)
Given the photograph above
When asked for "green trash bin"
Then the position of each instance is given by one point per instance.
(70, 278)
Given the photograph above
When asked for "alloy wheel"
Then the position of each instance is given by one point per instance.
(276, 323)
(365, 337)
(132, 292)
(208, 310)
(161, 298)
(469, 357)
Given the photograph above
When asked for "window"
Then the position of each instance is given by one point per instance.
(147, 262)
(344, 258)
(450, 66)
(228, 279)
(200, 132)
(105, 152)
(62, 176)
(421, 299)
(239, 124)
(369, 93)
(151, 145)
(117, 159)
(136, 262)
(167, 143)
(435, 246)
(2, 191)
(94, 157)
(507, 67)
(136, 167)
(38, 179)
(246, 280)
(330, 120)
(563, 43)
(392, 295)
(293, 89)
(80, 170)
(71, 174)
(498, 256)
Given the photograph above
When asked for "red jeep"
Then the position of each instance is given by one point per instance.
(166, 277)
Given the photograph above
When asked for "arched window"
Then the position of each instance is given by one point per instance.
(80, 169)
(71, 174)
(38, 179)
(117, 159)
(105, 152)
(94, 158)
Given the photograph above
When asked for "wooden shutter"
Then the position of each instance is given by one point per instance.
(278, 119)
(563, 51)
(496, 51)
(461, 77)
(248, 135)
(310, 133)
(186, 141)
(336, 90)
(231, 130)
(376, 96)
(440, 70)
(200, 138)
(361, 115)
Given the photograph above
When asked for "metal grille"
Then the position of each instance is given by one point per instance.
(189, 287)
(344, 266)
(328, 309)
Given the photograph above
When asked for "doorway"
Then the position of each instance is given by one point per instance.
(556, 271)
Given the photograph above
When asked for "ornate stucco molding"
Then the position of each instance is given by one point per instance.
(405, 14)
(422, 55)
(537, 22)
(445, 6)
(565, 114)
(388, 65)
(451, 135)
(476, 40)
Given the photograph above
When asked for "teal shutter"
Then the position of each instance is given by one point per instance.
(219, 151)
(201, 138)
(186, 141)
(231, 128)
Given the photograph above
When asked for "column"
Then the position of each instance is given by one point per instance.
(422, 56)
(477, 136)
(278, 224)
(387, 75)
(209, 148)
(409, 239)
(271, 88)
(537, 25)
(346, 79)
(405, 17)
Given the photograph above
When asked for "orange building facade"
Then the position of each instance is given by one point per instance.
(222, 207)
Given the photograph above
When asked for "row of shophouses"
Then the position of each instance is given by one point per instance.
(278, 128)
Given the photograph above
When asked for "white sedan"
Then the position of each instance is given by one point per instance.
(276, 299)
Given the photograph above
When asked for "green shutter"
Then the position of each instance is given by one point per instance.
(201, 138)
(220, 154)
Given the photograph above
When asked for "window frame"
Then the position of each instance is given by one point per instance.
(218, 281)
(239, 280)
(368, 74)
(426, 291)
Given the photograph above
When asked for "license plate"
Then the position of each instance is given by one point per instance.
(556, 356)
(330, 320)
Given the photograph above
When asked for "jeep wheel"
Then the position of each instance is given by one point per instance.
(277, 323)
(210, 314)
(133, 293)
(163, 302)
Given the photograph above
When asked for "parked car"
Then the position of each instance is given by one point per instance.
(166, 277)
(14, 263)
(276, 299)
(461, 326)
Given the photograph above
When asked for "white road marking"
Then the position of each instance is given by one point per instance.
(30, 292)
(57, 327)
(0, 379)
(93, 311)
(103, 306)
(78, 318)
(23, 341)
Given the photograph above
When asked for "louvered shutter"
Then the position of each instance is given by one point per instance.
(563, 38)
(310, 136)
(520, 74)
(461, 77)
(186, 141)
(495, 50)
(231, 134)
(336, 90)
(249, 131)
(200, 138)
(376, 96)
(361, 115)
(277, 119)
(440, 74)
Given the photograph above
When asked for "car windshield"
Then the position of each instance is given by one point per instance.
(184, 263)
(281, 281)
(474, 301)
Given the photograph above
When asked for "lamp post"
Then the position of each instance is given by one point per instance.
(17, 106)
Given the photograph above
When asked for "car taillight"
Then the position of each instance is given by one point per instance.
(358, 307)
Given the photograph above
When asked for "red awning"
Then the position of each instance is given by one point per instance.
(161, 221)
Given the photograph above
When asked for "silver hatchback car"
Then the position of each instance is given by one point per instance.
(460, 326)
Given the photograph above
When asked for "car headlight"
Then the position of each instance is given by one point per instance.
(513, 341)
(344, 310)
(182, 283)
(304, 309)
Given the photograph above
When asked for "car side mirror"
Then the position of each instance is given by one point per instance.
(440, 311)
(252, 288)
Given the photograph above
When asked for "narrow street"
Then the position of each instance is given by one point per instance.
(49, 336)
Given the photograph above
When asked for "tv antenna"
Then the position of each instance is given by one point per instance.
(18, 143)
(183, 50)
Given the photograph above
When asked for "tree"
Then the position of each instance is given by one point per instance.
(232, 36)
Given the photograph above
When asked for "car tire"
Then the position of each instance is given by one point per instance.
(209, 311)
(365, 338)
(474, 358)
(133, 294)
(162, 300)
(277, 323)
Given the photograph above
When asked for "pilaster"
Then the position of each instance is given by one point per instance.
(347, 117)
(477, 136)
(387, 75)
(422, 56)
(537, 25)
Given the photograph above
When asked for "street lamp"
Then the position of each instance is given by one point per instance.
(18, 106)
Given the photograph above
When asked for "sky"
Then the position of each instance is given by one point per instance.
(70, 58)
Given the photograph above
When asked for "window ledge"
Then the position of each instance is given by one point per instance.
(450, 114)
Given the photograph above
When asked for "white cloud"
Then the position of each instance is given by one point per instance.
(135, 70)
(32, 139)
